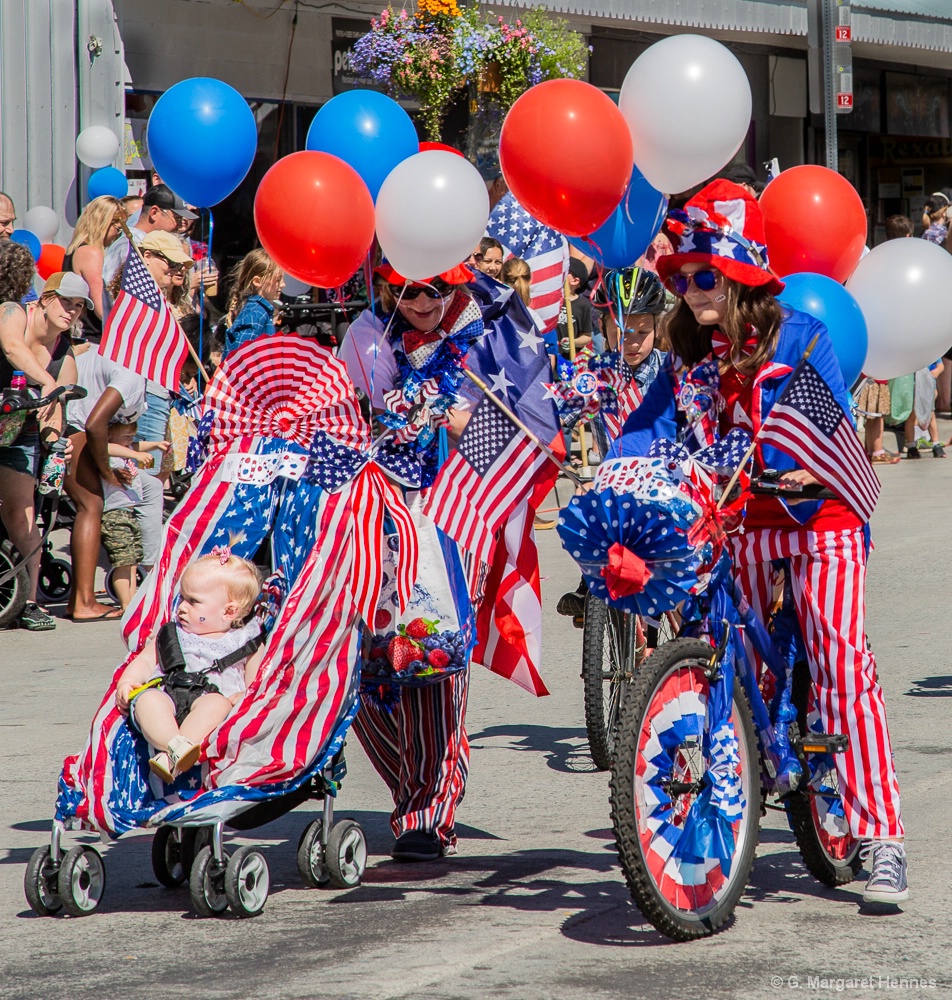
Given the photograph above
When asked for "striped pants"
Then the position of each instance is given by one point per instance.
(421, 751)
(828, 575)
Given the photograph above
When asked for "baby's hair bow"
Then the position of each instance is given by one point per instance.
(223, 552)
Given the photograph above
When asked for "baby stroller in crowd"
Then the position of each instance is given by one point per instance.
(55, 574)
(290, 477)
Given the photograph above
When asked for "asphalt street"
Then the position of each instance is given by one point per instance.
(534, 905)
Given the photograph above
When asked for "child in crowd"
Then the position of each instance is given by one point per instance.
(256, 284)
(198, 666)
(921, 421)
(935, 218)
(581, 310)
(130, 513)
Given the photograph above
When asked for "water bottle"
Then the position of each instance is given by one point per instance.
(18, 383)
(53, 469)
(11, 423)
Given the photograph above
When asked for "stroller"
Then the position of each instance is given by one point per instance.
(290, 477)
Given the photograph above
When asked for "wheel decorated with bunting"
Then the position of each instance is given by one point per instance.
(685, 792)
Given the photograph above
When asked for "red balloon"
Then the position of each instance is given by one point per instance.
(814, 220)
(576, 189)
(315, 217)
(50, 260)
(425, 146)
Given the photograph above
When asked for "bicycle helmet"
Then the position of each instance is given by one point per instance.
(630, 292)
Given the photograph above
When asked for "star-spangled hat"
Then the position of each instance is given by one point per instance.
(458, 275)
(722, 226)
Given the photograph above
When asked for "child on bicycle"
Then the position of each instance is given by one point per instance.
(727, 313)
(199, 666)
(631, 301)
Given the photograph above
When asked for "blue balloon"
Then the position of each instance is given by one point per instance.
(370, 131)
(29, 240)
(626, 235)
(107, 180)
(836, 308)
(202, 138)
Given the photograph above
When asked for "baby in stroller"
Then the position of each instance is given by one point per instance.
(183, 684)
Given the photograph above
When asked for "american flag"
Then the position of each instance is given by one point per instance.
(542, 248)
(511, 358)
(808, 424)
(629, 399)
(487, 476)
(140, 332)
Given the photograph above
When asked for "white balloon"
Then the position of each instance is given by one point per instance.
(43, 222)
(293, 287)
(432, 210)
(687, 102)
(97, 146)
(898, 286)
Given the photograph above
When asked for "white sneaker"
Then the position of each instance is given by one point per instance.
(183, 753)
(887, 878)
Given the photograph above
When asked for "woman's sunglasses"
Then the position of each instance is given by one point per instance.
(704, 281)
(437, 289)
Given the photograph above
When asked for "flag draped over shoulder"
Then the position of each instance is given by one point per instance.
(543, 249)
(140, 332)
(808, 424)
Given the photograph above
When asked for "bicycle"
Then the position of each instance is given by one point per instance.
(54, 573)
(699, 751)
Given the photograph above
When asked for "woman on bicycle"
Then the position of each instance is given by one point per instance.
(36, 341)
(727, 312)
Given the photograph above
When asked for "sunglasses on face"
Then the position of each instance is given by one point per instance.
(704, 281)
(437, 290)
(172, 265)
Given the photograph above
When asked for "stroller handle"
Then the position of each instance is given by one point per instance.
(13, 401)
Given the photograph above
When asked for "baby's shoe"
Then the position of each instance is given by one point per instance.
(161, 765)
(183, 753)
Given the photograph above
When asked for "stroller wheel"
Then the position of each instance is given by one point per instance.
(310, 856)
(247, 880)
(206, 884)
(40, 883)
(346, 854)
(82, 880)
(56, 577)
(110, 586)
(169, 856)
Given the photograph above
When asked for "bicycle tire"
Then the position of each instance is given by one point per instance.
(815, 812)
(13, 592)
(682, 902)
(605, 675)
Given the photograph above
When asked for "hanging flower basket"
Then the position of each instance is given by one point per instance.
(430, 55)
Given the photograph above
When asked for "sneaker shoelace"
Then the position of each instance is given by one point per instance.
(887, 860)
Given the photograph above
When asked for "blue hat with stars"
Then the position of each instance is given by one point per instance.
(721, 226)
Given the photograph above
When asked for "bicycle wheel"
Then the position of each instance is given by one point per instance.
(815, 812)
(676, 787)
(13, 592)
(607, 663)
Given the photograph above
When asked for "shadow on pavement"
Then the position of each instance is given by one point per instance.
(559, 744)
(932, 687)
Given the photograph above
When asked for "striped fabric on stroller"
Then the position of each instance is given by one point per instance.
(290, 470)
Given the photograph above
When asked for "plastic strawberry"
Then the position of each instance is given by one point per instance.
(402, 651)
(419, 628)
(438, 658)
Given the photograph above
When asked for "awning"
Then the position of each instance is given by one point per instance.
(916, 24)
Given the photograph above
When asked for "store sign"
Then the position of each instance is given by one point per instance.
(344, 33)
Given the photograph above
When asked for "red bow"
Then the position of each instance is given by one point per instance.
(413, 339)
(626, 573)
(724, 348)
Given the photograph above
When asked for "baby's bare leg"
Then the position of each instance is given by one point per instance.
(208, 712)
(155, 716)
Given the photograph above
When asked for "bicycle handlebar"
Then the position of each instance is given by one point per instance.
(13, 401)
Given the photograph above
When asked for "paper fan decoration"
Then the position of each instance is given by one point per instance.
(284, 387)
(630, 538)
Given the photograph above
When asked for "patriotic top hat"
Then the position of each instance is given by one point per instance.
(721, 226)
(458, 275)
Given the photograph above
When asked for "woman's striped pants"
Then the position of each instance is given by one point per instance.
(828, 574)
(421, 751)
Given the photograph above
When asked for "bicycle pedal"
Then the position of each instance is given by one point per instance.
(823, 743)
(579, 621)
